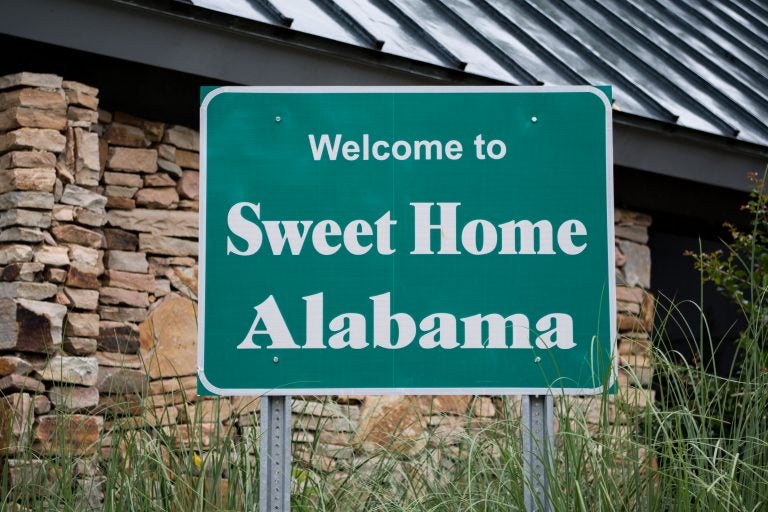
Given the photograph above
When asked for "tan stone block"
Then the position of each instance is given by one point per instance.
(169, 337)
(30, 326)
(204, 435)
(117, 296)
(56, 275)
(116, 381)
(120, 203)
(15, 253)
(165, 197)
(648, 311)
(153, 130)
(40, 99)
(70, 233)
(71, 370)
(80, 87)
(28, 79)
(63, 212)
(16, 418)
(83, 299)
(27, 159)
(62, 434)
(19, 117)
(166, 245)
(87, 163)
(394, 422)
(628, 307)
(21, 272)
(80, 346)
(42, 405)
(124, 179)
(82, 115)
(91, 218)
(128, 261)
(160, 179)
(119, 360)
(34, 179)
(132, 160)
(24, 290)
(156, 222)
(79, 196)
(206, 411)
(182, 137)
(32, 200)
(631, 218)
(166, 152)
(14, 365)
(178, 385)
(81, 275)
(118, 337)
(189, 185)
(169, 167)
(119, 134)
(20, 383)
(73, 399)
(634, 345)
(187, 159)
(83, 325)
(119, 314)
(120, 405)
(27, 218)
(483, 407)
(33, 138)
(626, 294)
(627, 323)
(21, 234)
(130, 280)
(86, 255)
(122, 192)
(121, 240)
(78, 97)
(184, 279)
(162, 287)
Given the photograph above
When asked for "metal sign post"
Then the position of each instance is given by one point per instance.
(275, 454)
(538, 450)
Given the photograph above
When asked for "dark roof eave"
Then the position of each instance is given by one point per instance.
(279, 35)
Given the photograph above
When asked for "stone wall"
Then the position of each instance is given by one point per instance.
(98, 227)
(98, 283)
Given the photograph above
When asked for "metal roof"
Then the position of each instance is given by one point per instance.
(701, 64)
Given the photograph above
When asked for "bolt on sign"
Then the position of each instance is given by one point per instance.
(389, 240)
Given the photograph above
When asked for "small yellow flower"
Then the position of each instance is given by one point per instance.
(197, 460)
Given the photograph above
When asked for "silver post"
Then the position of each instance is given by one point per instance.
(275, 454)
(538, 450)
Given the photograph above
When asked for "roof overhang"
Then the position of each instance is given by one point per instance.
(176, 35)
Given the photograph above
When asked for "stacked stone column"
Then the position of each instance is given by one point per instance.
(51, 213)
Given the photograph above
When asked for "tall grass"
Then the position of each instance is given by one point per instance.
(703, 445)
(705, 448)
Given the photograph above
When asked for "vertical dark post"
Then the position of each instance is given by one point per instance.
(275, 454)
(538, 450)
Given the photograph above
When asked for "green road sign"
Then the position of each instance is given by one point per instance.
(406, 240)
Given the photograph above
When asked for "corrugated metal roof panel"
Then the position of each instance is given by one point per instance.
(700, 64)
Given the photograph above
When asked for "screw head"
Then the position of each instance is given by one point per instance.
(537, 360)
(534, 119)
(277, 119)
(275, 360)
